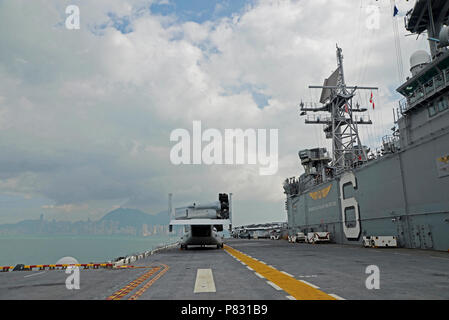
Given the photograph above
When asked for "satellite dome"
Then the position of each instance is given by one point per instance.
(418, 60)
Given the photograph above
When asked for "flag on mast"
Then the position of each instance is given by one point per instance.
(396, 11)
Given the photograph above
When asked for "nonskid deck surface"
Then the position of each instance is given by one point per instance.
(250, 270)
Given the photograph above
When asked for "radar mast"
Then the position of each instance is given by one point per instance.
(342, 119)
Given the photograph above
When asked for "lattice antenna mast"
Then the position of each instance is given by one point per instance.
(341, 76)
(341, 122)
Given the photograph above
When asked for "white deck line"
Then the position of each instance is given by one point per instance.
(336, 297)
(259, 275)
(288, 274)
(204, 281)
(34, 274)
(308, 283)
(274, 286)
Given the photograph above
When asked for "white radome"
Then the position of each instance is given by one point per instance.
(418, 60)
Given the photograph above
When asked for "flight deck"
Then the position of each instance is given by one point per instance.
(249, 270)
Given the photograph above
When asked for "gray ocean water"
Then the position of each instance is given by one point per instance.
(30, 250)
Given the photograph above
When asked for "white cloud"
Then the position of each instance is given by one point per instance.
(88, 117)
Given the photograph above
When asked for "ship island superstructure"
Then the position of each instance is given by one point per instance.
(402, 191)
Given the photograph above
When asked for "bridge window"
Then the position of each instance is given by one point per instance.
(443, 104)
(438, 106)
(432, 110)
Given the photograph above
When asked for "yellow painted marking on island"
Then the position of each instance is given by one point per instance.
(320, 194)
(295, 288)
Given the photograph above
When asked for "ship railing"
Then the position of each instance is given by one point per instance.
(317, 119)
(390, 144)
(291, 186)
(403, 105)
(363, 119)
(434, 85)
(309, 105)
(438, 81)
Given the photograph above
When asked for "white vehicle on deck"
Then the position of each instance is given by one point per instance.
(315, 237)
(275, 236)
(380, 241)
(300, 237)
(297, 237)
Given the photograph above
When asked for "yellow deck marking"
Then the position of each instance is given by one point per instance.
(295, 288)
(121, 293)
(149, 283)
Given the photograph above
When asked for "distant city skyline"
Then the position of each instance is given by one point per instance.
(101, 227)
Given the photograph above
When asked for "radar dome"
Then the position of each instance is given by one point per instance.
(418, 60)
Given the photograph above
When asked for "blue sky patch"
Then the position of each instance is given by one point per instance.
(200, 10)
(260, 99)
(256, 92)
(122, 24)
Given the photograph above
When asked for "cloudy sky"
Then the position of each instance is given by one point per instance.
(86, 115)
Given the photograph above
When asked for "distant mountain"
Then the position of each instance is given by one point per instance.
(119, 221)
(135, 218)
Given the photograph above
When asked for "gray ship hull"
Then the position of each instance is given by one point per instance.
(404, 194)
